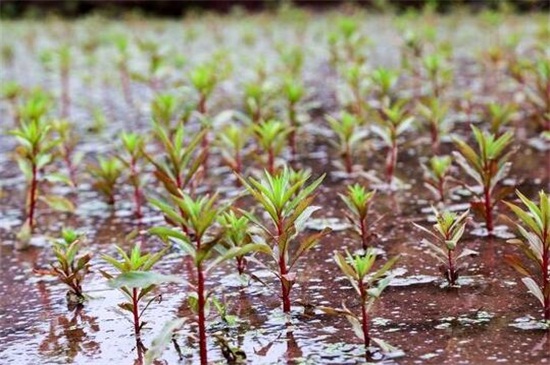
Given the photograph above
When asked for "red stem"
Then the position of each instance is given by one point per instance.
(391, 161)
(292, 134)
(488, 209)
(364, 234)
(283, 270)
(137, 190)
(451, 267)
(364, 314)
(32, 200)
(347, 159)
(135, 312)
(201, 309)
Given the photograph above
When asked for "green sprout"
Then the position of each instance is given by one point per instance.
(106, 174)
(349, 133)
(236, 234)
(439, 73)
(535, 230)
(34, 154)
(436, 175)
(271, 138)
(136, 281)
(133, 145)
(500, 115)
(233, 139)
(434, 112)
(443, 242)
(201, 241)
(294, 92)
(369, 286)
(488, 166)
(384, 81)
(395, 122)
(289, 207)
(70, 267)
(67, 148)
(358, 202)
(163, 109)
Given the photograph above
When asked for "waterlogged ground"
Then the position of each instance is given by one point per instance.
(488, 320)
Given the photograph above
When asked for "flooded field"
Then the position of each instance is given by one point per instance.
(104, 77)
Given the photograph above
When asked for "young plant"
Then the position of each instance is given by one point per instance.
(535, 228)
(34, 154)
(288, 207)
(369, 286)
(66, 148)
(70, 267)
(358, 202)
(294, 92)
(233, 139)
(349, 133)
(201, 242)
(436, 175)
(394, 122)
(499, 116)
(204, 79)
(136, 280)
(384, 81)
(434, 113)
(133, 145)
(181, 163)
(163, 110)
(487, 166)
(106, 174)
(439, 73)
(271, 137)
(443, 242)
(236, 234)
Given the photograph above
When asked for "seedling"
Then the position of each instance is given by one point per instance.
(34, 154)
(289, 207)
(394, 123)
(233, 139)
(434, 113)
(133, 145)
(136, 280)
(499, 116)
(439, 73)
(163, 110)
(66, 148)
(256, 99)
(355, 76)
(369, 287)
(106, 174)
(535, 228)
(200, 242)
(35, 107)
(294, 92)
(181, 163)
(70, 267)
(271, 137)
(488, 166)
(384, 81)
(236, 234)
(443, 242)
(204, 79)
(358, 202)
(436, 175)
(349, 134)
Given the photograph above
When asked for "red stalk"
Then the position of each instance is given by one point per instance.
(32, 200)
(488, 209)
(347, 159)
(270, 161)
(201, 307)
(283, 271)
(364, 314)
(65, 99)
(391, 161)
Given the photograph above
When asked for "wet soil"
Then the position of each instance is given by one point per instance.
(481, 322)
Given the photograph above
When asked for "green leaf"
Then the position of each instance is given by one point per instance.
(534, 289)
(58, 203)
(142, 279)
